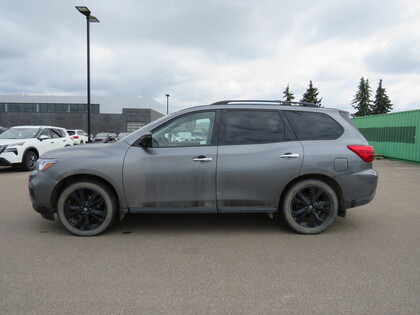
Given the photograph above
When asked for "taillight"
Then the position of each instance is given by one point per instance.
(75, 137)
(365, 152)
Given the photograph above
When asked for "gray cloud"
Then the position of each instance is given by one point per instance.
(402, 56)
(200, 51)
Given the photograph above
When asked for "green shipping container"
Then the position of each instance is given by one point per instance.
(395, 135)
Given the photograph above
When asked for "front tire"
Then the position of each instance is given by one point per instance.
(29, 161)
(310, 206)
(86, 208)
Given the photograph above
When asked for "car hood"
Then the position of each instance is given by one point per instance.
(10, 141)
(86, 151)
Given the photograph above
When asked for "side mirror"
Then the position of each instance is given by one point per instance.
(43, 137)
(146, 140)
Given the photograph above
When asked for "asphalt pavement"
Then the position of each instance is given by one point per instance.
(366, 263)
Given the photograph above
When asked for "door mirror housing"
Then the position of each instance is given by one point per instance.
(43, 137)
(146, 140)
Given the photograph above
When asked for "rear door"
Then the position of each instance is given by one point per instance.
(257, 157)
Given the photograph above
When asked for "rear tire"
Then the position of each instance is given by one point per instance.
(310, 206)
(86, 208)
(29, 160)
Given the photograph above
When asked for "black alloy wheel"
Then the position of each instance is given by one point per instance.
(310, 206)
(86, 208)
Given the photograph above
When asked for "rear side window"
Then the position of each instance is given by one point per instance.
(251, 127)
(314, 126)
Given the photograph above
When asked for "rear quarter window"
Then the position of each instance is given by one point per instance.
(314, 126)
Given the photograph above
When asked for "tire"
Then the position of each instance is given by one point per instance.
(29, 160)
(81, 142)
(81, 216)
(310, 206)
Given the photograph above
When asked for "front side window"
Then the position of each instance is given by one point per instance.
(251, 127)
(45, 132)
(189, 130)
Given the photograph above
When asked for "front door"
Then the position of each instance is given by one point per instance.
(178, 173)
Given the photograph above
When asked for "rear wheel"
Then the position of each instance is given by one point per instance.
(310, 206)
(86, 208)
(29, 160)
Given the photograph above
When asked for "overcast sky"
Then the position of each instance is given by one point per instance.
(201, 51)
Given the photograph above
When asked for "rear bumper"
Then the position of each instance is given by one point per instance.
(359, 188)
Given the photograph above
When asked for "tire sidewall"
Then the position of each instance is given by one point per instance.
(100, 189)
(286, 205)
(26, 158)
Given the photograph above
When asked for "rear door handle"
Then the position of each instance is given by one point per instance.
(289, 156)
(202, 159)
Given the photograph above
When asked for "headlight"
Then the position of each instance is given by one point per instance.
(15, 144)
(44, 164)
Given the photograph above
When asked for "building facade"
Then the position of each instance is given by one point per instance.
(108, 114)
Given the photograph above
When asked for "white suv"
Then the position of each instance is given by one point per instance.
(78, 136)
(22, 145)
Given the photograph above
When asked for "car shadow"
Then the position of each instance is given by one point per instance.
(198, 223)
(9, 169)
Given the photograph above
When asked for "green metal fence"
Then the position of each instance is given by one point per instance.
(395, 135)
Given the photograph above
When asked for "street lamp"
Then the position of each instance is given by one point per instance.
(167, 104)
(89, 19)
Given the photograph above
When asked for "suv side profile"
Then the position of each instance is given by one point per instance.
(303, 163)
(22, 145)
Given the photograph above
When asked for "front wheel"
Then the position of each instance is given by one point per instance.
(310, 206)
(86, 208)
(29, 161)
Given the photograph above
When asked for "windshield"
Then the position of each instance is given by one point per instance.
(101, 134)
(70, 132)
(19, 133)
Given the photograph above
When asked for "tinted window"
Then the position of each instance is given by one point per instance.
(189, 130)
(57, 133)
(314, 126)
(251, 127)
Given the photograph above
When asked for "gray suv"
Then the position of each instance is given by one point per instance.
(304, 163)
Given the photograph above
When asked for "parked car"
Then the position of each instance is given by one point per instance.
(304, 163)
(105, 137)
(78, 136)
(2, 129)
(22, 145)
(122, 135)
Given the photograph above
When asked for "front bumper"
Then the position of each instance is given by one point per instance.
(10, 158)
(41, 188)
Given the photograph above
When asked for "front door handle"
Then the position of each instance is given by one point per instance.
(202, 159)
(289, 156)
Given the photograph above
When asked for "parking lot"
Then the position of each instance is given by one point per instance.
(367, 263)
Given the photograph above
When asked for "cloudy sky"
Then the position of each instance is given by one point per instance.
(201, 51)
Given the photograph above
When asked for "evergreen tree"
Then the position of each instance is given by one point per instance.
(361, 101)
(382, 103)
(289, 96)
(311, 95)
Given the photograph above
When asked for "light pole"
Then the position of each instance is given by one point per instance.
(167, 104)
(89, 18)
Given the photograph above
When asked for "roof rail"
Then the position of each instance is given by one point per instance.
(249, 102)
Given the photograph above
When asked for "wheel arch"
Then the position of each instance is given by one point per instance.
(34, 149)
(330, 181)
(65, 182)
